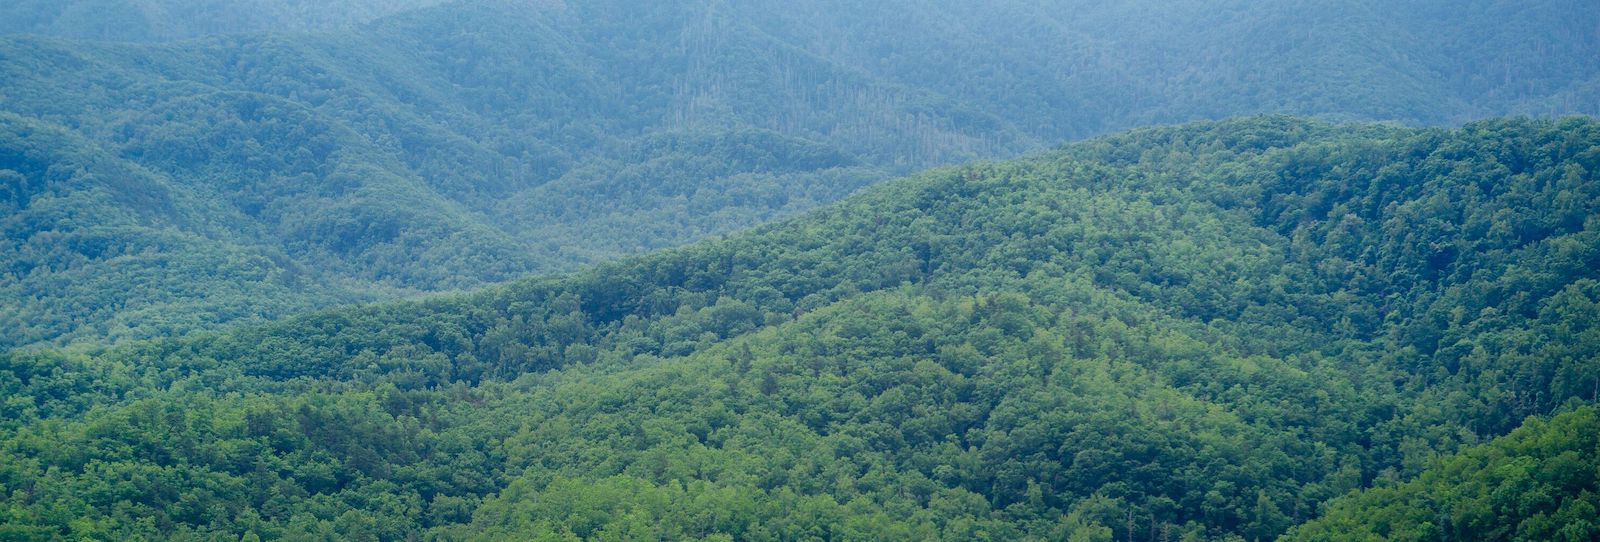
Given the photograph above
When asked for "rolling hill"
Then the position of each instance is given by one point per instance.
(1537, 483)
(398, 151)
(1205, 332)
(158, 20)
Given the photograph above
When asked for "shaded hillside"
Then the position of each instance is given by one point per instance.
(152, 20)
(94, 245)
(473, 142)
(1203, 331)
(384, 163)
(1538, 483)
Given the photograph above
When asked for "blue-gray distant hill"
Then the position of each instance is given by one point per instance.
(159, 20)
(155, 186)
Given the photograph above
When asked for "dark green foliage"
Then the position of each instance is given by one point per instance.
(470, 143)
(1199, 332)
(96, 247)
(1538, 483)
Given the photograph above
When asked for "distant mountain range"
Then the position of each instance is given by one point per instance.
(157, 20)
(159, 186)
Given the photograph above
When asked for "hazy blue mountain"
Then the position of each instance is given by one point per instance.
(155, 20)
(469, 143)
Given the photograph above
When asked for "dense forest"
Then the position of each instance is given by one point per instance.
(151, 20)
(1141, 271)
(1233, 330)
(1539, 483)
(172, 166)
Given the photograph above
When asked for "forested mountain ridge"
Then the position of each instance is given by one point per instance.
(65, 203)
(1075, 68)
(151, 20)
(473, 142)
(1201, 332)
(1538, 483)
(469, 147)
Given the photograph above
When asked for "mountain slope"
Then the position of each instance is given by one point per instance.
(393, 169)
(1064, 69)
(81, 225)
(451, 146)
(1538, 483)
(1206, 331)
(150, 20)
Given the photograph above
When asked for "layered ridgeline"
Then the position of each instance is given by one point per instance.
(1200, 332)
(477, 141)
(143, 20)
(445, 150)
